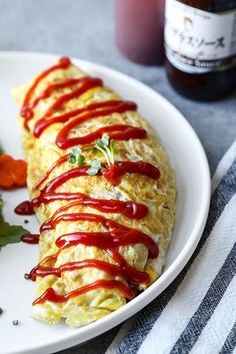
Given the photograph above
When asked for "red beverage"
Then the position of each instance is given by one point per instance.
(139, 30)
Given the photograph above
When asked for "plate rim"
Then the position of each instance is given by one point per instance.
(102, 325)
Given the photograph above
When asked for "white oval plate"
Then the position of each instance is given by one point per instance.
(193, 181)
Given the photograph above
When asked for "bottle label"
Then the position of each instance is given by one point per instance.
(198, 41)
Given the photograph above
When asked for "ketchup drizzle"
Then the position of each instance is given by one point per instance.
(28, 111)
(117, 132)
(30, 238)
(130, 209)
(87, 83)
(44, 122)
(123, 270)
(107, 240)
(24, 208)
(63, 63)
(51, 295)
(116, 234)
(115, 172)
(119, 234)
(60, 161)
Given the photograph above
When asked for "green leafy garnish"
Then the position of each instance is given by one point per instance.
(104, 141)
(107, 147)
(9, 233)
(95, 167)
(76, 157)
(80, 160)
(72, 158)
(112, 147)
(103, 145)
(76, 151)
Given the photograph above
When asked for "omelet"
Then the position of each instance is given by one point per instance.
(103, 190)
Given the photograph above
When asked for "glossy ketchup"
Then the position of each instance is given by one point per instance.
(115, 172)
(30, 238)
(51, 295)
(26, 110)
(45, 122)
(24, 208)
(116, 132)
(116, 234)
(122, 270)
(130, 209)
(29, 110)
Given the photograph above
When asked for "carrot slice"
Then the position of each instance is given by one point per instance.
(12, 172)
(19, 172)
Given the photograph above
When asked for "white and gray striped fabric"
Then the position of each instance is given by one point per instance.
(197, 312)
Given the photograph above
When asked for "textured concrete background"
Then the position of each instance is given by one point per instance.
(85, 29)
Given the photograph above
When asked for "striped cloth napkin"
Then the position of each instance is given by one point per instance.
(197, 312)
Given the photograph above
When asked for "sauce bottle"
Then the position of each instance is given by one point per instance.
(200, 45)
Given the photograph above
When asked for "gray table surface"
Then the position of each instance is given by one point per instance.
(85, 29)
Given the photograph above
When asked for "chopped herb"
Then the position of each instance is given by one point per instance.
(77, 157)
(113, 147)
(80, 160)
(1, 310)
(72, 159)
(15, 322)
(89, 148)
(95, 167)
(9, 233)
(104, 141)
(107, 147)
(76, 151)
(104, 145)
